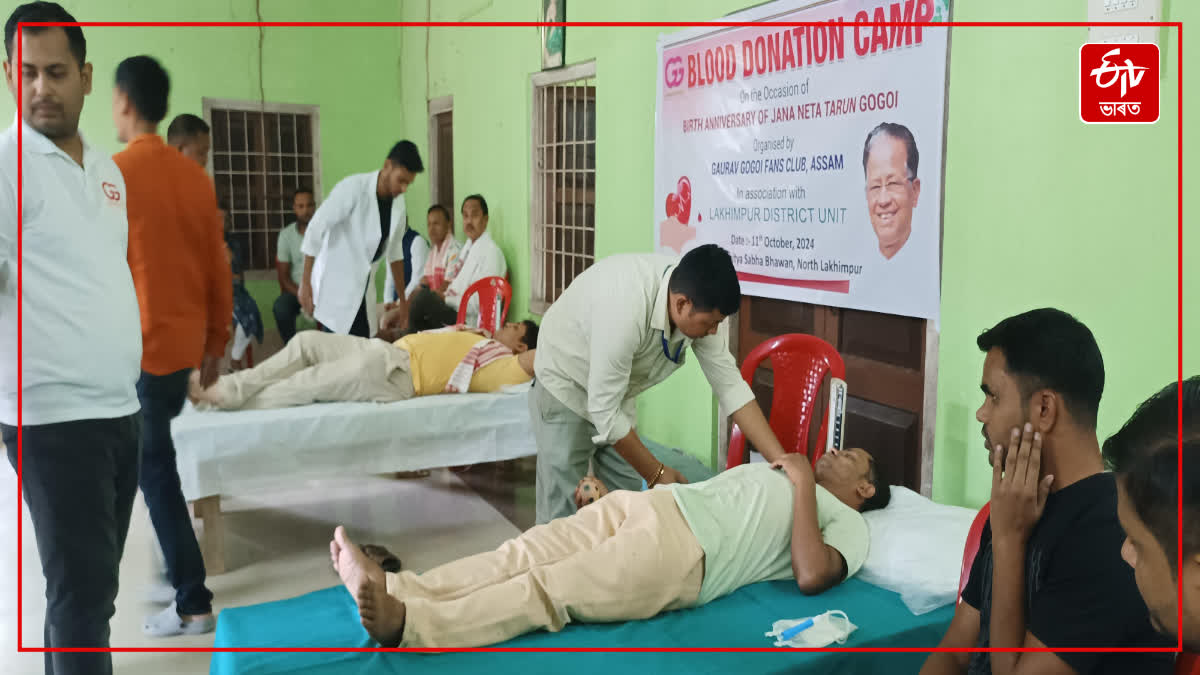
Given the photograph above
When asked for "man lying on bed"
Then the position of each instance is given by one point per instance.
(631, 555)
(317, 367)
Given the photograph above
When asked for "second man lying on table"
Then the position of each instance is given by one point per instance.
(632, 555)
(317, 367)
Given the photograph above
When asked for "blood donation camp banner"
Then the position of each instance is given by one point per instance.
(812, 154)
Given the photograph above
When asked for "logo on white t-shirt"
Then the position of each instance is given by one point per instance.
(111, 191)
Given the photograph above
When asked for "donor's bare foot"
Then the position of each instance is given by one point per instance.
(199, 395)
(381, 614)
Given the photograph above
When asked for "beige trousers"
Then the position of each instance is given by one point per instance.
(318, 367)
(629, 555)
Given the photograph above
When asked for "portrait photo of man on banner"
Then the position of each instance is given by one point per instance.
(890, 163)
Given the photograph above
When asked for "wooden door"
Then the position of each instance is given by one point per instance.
(444, 186)
(885, 359)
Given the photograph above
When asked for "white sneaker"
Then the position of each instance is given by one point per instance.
(168, 623)
(160, 593)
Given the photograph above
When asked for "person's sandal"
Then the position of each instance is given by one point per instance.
(381, 556)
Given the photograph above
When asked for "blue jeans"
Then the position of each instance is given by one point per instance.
(286, 309)
(162, 398)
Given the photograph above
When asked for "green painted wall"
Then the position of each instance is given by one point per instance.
(1040, 209)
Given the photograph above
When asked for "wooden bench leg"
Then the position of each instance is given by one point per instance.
(212, 541)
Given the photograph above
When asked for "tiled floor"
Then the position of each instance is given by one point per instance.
(277, 547)
(508, 487)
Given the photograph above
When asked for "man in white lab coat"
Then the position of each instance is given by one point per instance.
(355, 226)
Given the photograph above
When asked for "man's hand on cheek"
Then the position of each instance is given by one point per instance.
(1018, 491)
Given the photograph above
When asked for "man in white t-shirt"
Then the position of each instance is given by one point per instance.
(632, 555)
(77, 406)
(289, 263)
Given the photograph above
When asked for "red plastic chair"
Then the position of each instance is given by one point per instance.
(495, 296)
(972, 547)
(801, 363)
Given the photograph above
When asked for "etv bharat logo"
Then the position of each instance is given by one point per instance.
(1129, 75)
(673, 72)
(1119, 84)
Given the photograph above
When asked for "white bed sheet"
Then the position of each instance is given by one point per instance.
(230, 453)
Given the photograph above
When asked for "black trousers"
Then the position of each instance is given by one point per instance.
(79, 480)
(360, 327)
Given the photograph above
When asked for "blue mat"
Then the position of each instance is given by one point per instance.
(328, 619)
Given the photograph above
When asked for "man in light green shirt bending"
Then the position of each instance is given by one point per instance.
(621, 327)
(631, 555)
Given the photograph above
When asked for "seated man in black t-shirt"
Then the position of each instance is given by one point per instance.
(1144, 456)
(1049, 571)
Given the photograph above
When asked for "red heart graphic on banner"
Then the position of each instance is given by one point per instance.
(672, 205)
(684, 190)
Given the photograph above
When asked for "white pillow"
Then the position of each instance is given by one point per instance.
(917, 549)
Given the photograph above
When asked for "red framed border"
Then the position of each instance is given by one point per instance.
(1178, 25)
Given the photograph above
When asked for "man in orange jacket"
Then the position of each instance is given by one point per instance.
(184, 291)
